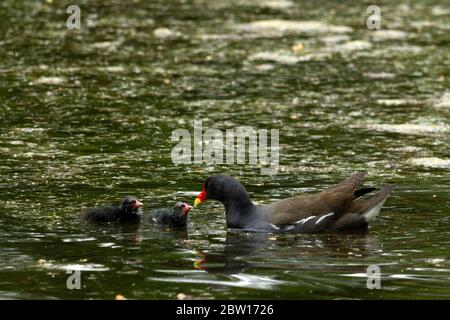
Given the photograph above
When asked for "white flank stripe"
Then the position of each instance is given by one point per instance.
(304, 220)
(323, 217)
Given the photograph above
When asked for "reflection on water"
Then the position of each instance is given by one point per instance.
(86, 118)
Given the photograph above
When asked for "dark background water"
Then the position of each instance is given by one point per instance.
(86, 117)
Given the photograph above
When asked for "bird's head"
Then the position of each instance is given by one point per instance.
(221, 188)
(131, 205)
(182, 208)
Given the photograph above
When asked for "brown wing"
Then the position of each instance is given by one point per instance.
(335, 199)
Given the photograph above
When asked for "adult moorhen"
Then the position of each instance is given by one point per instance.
(127, 212)
(175, 217)
(339, 208)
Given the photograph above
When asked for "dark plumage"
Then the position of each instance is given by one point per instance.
(127, 212)
(343, 207)
(175, 217)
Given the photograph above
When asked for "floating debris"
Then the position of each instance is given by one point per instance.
(297, 47)
(181, 296)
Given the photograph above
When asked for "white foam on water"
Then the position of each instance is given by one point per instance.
(355, 45)
(435, 260)
(276, 4)
(393, 51)
(29, 130)
(68, 69)
(50, 80)
(354, 275)
(83, 267)
(273, 28)
(444, 101)
(73, 267)
(408, 149)
(337, 38)
(235, 280)
(164, 33)
(424, 24)
(431, 162)
(219, 37)
(379, 75)
(79, 239)
(404, 49)
(410, 128)
(381, 35)
(395, 102)
(187, 193)
(440, 11)
(406, 276)
(106, 45)
(283, 57)
(112, 69)
(319, 56)
(289, 58)
(265, 67)
(106, 244)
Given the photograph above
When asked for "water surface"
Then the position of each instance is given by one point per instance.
(86, 118)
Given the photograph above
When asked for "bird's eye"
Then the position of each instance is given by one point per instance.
(182, 206)
(133, 202)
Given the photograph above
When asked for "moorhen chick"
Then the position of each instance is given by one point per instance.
(339, 208)
(127, 212)
(175, 217)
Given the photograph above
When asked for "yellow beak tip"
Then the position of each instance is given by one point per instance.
(197, 202)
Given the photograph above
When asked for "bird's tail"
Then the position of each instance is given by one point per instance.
(369, 207)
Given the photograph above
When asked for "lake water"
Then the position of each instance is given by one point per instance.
(86, 117)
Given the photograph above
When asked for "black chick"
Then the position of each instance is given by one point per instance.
(175, 217)
(127, 212)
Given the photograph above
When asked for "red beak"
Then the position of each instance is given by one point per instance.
(137, 204)
(200, 198)
(186, 209)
